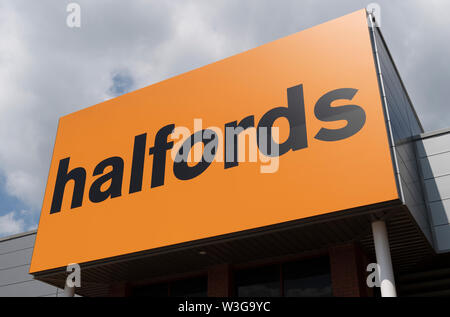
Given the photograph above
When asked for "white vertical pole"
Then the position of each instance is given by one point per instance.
(383, 254)
(68, 291)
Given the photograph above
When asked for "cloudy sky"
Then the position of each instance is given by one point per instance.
(48, 70)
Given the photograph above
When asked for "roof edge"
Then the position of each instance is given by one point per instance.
(18, 235)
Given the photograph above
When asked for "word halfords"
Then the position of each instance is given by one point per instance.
(268, 146)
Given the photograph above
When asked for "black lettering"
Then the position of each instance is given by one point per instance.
(231, 155)
(354, 115)
(159, 154)
(116, 176)
(181, 169)
(295, 113)
(137, 166)
(78, 175)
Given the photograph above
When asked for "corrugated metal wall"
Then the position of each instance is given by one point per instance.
(15, 258)
(434, 157)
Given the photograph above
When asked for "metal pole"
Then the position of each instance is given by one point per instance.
(383, 254)
(68, 291)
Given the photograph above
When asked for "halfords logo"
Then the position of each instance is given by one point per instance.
(216, 146)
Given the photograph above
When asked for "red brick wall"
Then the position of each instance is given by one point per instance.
(119, 290)
(220, 281)
(348, 271)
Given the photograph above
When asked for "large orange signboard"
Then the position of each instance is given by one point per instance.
(119, 181)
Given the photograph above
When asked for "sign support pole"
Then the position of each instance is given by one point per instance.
(68, 291)
(383, 254)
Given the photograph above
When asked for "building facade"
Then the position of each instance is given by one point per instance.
(375, 190)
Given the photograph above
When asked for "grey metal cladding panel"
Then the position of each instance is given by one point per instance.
(423, 224)
(409, 153)
(404, 125)
(414, 124)
(442, 234)
(400, 103)
(31, 288)
(417, 210)
(394, 104)
(409, 163)
(391, 79)
(434, 145)
(15, 275)
(438, 188)
(389, 72)
(410, 193)
(410, 178)
(421, 152)
(15, 258)
(402, 116)
(399, 118)
(398, 128)
(59, 293)
(395, 135)
(440, 212)
(436, 165)
(398, 124)
(17, 244)
(414, 185)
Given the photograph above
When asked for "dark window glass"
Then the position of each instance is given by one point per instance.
(194, 287)
(154, 290)
(258, 282)
(309, 278)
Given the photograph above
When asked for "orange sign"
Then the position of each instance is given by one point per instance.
(120, 182)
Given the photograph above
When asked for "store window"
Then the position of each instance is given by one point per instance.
(195, 287)
(258, 282)
(154, 290)
(192, 287)
(308, 278)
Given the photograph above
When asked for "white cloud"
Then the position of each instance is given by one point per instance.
(10, 224)
(49, 70)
